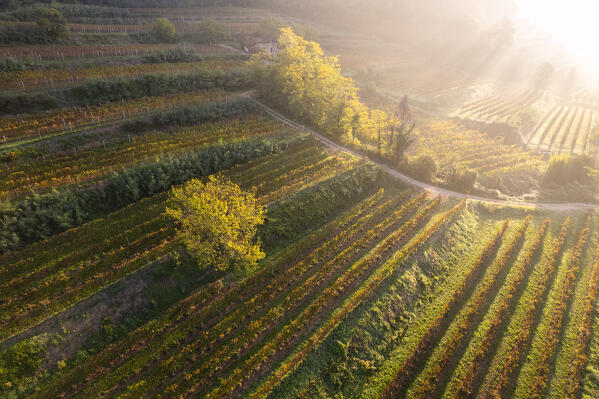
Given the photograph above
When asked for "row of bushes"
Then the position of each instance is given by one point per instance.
(97, 92)
(43, 215)
(424, 167)
(101, 91)
(310, 207)
(190, 115)
(9, 64)
(70, 11)
(185, 54)
(25, 34)
(162, 3)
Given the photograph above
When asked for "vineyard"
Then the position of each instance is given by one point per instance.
(60, 52)
(564, 129)
(368, 287)
(497, 108)
(558, 129)
(38, 79)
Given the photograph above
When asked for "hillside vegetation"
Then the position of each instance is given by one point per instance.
(164, 235)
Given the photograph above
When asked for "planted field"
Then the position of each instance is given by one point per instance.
(454, 146)
(497, 108)
(59, 53)
(105, 155)
(67, 268)
(46, 79)
(184, 27)
(564, 129)
(30, 127)
(165, 234)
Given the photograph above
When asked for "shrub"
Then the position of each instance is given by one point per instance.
(19, 103)
(8, 64)
(20, 363)
(52, 21)
(164, 30)
(24, 34)
(185, 54)
(211, 31)
(101, 91)
(422, 167)
(565, 169)
(312, 206)
(96, 92)
(462, 180)
(190, 115)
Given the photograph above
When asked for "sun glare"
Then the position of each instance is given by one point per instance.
(572, 23)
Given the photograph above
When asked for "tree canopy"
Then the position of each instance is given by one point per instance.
(310, 86)
(52, 21)
(164, 30)
(218, 222)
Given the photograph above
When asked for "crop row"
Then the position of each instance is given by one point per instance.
(43, 125)
(93, 163)
(37, 79)
(451, 145)
(467, 320)
(360, 295)
(538, 136)
(260, 305)
(227, 294)
(61, 52)
(509, 366)
(63, 281)
(499, 109)
(441, 322)
(561, 125)
(585, 331)
(551, 341)
(564, 129)
(468, 376)
(260, 359)
(181, 27)
(309, 176)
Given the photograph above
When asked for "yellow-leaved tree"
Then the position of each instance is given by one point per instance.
(304, 82)
(218, 222)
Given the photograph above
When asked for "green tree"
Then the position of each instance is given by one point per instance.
(526, 119)
(402, 141)
(212, 31)
(217, 223)
(308, 83)
(462, 179)
(423, 167)
(565, 169)
(164, 30)
(269, 28)
(21, 363)
(52, 21)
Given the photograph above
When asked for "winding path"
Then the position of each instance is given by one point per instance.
(560, 207)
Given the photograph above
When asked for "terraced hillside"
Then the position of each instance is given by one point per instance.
(497, 108)
(564, 129)
(454, 146)
(369, 288)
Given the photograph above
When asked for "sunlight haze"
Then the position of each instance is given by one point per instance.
(282, 199)
(571, 23)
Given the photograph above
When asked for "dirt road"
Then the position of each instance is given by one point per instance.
(560, 207)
